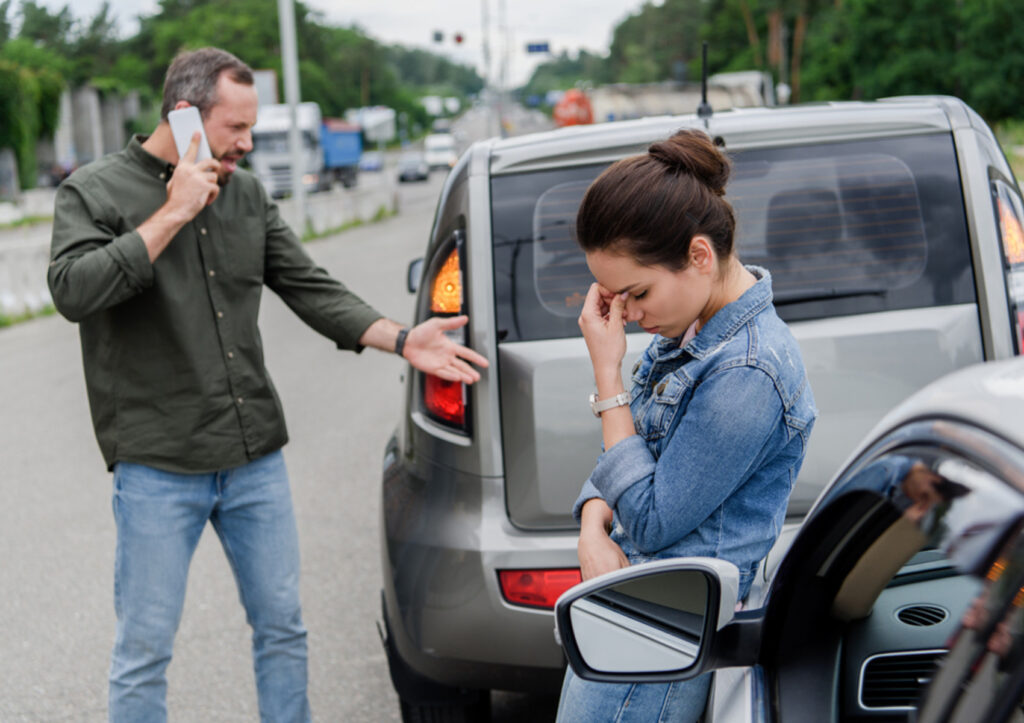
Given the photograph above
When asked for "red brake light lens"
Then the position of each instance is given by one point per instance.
(537, 588)
(445, 400)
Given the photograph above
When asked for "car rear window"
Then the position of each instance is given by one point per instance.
(845, 228)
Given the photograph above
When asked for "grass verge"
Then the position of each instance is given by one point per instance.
(383, 212)
(6, 320)
(26, 221)
(1011, 137)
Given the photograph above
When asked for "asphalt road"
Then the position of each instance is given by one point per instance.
(57, 531)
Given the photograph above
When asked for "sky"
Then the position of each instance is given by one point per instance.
(564, 25)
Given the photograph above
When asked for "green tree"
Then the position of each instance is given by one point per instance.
(566, 71)
(988, 64)
(657, 43)
(6, 28)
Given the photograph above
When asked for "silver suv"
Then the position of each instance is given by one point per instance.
(893, 233)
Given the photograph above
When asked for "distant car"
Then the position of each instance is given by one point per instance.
(439, 149)
(371, 161)
(900, 598)
(413, 167)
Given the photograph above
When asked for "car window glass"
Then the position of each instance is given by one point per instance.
(845, 228)
(560, 269)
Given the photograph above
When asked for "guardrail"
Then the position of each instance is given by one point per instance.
(25, 250)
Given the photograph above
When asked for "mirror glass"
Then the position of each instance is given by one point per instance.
(415, 274)
(651, 624)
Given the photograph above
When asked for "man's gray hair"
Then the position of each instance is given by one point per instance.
(193, 77)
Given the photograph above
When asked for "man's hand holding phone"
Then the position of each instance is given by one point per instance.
(192, 187)
(194, 183)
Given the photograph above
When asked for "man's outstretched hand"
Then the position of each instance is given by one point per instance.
(429, 349)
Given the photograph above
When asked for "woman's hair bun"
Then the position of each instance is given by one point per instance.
(692, 152)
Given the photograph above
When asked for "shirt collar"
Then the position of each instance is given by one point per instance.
(729, 319)
(157, 167)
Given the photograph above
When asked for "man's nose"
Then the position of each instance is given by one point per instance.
(246, 143)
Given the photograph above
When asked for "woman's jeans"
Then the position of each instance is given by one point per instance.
(583, 701)
(160, 517)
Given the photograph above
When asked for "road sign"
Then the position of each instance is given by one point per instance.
(537, 47)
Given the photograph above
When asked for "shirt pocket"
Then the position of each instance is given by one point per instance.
(657, 416)
(246, 247)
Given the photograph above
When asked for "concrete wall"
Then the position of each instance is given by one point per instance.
(112, 121)
(87, 130)
(25, 250)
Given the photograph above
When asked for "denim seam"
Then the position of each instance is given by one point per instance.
(624, 705)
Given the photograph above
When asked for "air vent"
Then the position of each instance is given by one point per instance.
(895, 681)
(921, 616)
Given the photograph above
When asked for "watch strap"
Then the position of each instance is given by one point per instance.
(400, 340)
(603, 405)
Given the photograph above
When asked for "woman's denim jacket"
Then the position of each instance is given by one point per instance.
(722, 427)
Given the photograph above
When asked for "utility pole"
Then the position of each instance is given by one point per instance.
(290, 65)
(488, 87)
(503, 74)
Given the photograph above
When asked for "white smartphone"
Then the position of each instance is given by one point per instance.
(184, 122)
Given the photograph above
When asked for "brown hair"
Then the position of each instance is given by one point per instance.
(193, 75)
(652, 205)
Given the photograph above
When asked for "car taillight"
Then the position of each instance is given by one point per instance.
(446, 402)
(537, 588)
(1011, 233)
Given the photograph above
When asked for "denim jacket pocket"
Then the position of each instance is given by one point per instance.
(656, 417)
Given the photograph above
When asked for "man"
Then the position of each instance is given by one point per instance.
(162, 261)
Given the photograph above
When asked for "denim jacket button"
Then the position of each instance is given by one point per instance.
(661, 388)
(636, 367)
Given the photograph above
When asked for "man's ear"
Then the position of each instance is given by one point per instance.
(181, 104)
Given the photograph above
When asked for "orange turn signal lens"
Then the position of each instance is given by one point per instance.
(446, 292)
(1012, 233)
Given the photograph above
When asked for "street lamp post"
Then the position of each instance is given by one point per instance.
(290, 65)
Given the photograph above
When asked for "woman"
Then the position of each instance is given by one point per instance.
(701, 455)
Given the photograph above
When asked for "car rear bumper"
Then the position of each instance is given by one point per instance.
(444, 537)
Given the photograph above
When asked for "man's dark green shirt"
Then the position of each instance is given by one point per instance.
(172, 353)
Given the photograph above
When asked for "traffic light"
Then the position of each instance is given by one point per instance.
(458, 38)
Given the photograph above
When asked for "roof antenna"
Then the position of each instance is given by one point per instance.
(704, 109)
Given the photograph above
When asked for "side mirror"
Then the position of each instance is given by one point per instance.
(654, 622)
(415, 274)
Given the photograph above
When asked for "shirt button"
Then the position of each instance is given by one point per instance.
(212, 272)
(220, 314)
(202, 231)
(231, 355)
(240, 400)
(163, 176)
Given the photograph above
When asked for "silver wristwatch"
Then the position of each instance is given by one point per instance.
(597, 406)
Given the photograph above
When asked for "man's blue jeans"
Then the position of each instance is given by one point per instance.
(160, 517)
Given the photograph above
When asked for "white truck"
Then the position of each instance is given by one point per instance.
(330, 150)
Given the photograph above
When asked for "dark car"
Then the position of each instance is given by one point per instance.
(413, 167)
(901, 597)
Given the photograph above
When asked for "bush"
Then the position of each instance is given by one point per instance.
(19, 117)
